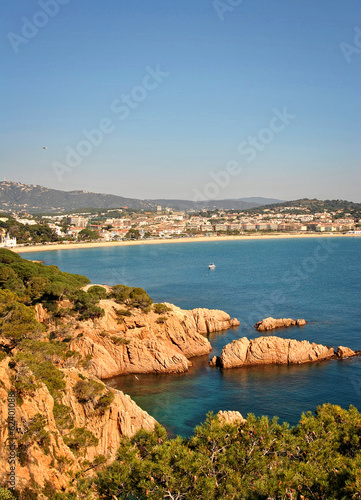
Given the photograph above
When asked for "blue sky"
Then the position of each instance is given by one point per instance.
(224, 72)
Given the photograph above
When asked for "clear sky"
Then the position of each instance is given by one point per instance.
(185, 99)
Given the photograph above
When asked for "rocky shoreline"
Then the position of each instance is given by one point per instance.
(139, 342)
(144, 343)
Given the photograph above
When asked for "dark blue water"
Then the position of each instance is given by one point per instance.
(317, 279)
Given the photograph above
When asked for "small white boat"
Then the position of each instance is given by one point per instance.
(211, 266)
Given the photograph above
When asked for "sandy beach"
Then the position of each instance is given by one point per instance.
(74, 246)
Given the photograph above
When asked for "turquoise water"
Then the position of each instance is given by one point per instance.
(317, 279)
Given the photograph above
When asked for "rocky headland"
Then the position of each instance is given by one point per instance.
(269, 324)
(144, 342)
(60, 430)
(275, 351)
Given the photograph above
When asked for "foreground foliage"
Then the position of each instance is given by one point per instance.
(259, 459)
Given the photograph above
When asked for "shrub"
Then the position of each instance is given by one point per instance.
(25, 383)
(39, 357)
(51, 376)
(6, 494)
(136, 297)
(87, 390)
(105, 401)
(257, 459)
(161, 308)
(140, 298)
(98, 291)
(119, 340)
(62, 415)
(50, 306)
(161, 320)
(85, 305)
(46, 351)
(120, 293)
(80, 438)
(17, 321)
(36, 287)
(34, 433)
(123, 312)
(92, 312)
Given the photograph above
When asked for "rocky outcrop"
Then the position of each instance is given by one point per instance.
(345, 352)
(141, 343)
(41, 314)
(213, 361)
(211, 320)
(230, 417)
(271, 350)
(50, 459)
(269, 324)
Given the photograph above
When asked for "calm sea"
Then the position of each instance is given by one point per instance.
(317, 279)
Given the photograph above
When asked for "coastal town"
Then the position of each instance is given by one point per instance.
(166, 223)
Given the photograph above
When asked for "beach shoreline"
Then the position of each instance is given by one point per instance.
(107, 244)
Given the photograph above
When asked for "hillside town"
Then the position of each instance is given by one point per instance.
(124, 224)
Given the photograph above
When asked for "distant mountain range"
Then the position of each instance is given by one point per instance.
(15, 196)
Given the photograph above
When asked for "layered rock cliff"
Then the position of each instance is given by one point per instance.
(146, 342)
(55, 437)
(274, 350)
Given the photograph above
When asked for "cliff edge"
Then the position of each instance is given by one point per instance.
(146, 342)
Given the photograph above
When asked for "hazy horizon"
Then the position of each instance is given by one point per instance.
(199, 100)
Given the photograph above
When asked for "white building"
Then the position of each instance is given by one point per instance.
(6, 241)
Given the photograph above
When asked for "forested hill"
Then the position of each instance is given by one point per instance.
(312, 205)
(15, 196)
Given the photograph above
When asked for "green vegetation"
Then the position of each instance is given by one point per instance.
(85, 304)
(133, 297)
(312, 206)
(161, 320)
(161, 308)
(98, 291)
(105, 401)
(34, 282)
(36, 360)
(34, 432)
(80, 438)
(62, 415)
(119, 340)
(6, 494)
(88, 390)
(123, 312)
(17, 321)
(132, 234)
(24, 233)
(257, 460)
(88, 235)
